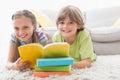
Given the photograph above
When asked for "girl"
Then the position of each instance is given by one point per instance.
(70, 26)
(26, 31)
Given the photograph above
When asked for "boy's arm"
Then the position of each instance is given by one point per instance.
(82, 64)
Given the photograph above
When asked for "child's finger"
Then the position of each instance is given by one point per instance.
(18, 60)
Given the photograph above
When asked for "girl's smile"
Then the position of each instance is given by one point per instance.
(23, 36)
(23, 28)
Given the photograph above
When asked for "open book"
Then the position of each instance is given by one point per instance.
(30, 52)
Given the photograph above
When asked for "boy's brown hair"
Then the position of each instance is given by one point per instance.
(73, 13)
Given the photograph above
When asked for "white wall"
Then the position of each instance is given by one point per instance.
(7, 7)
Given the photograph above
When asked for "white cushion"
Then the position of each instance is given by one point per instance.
(105, 34)
(102, 17)
(50, 31)
(117, 23)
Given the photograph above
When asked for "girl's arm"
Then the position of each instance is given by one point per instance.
(13, 62)
(44, 43)
(11, 58)
(82, 64)
(17, 65)
(47, 35)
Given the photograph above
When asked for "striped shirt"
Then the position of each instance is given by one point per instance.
(41, 36)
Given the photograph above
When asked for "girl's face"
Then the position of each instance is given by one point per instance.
(67, 28)
(23, 28)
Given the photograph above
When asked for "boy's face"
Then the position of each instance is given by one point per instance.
(67, 28)
(23, 28)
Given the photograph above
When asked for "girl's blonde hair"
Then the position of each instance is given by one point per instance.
(30, 15)
(25, 13)
(73, 13)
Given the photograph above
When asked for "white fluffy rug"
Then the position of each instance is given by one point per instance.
(105, 68)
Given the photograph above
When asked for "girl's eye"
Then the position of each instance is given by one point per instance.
(25, 27)
(16, 28)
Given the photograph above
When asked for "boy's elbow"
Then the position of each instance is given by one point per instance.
(88, 65)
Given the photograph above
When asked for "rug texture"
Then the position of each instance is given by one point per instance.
(105, 68)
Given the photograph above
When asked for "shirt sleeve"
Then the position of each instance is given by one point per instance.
(57, 37)
(12, 39)
(41, 35)
(54, 38)
(86, 49)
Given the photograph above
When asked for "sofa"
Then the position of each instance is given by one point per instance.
(101, 23)
(104, 27)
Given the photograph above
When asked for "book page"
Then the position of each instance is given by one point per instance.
(55, 50)
(30, 52)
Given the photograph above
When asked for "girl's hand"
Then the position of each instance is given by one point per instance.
(19, 65)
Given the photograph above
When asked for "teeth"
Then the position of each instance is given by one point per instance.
(23, 36)
(66, 31)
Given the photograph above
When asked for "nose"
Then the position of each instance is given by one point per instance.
(65, 25)
(20, 32)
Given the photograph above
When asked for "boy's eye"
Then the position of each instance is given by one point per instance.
(71, 22)
(61, 22)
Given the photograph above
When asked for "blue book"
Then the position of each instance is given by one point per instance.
(54, 61)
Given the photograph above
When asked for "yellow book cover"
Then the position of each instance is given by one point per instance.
(30, 52)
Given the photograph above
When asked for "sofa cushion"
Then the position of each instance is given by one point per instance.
(117, 23)
(102, 16)
(50, 31)
(105, 34)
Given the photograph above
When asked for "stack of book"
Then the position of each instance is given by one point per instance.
(53, 66)
(48, 60)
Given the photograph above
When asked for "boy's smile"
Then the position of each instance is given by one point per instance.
(67, 28)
